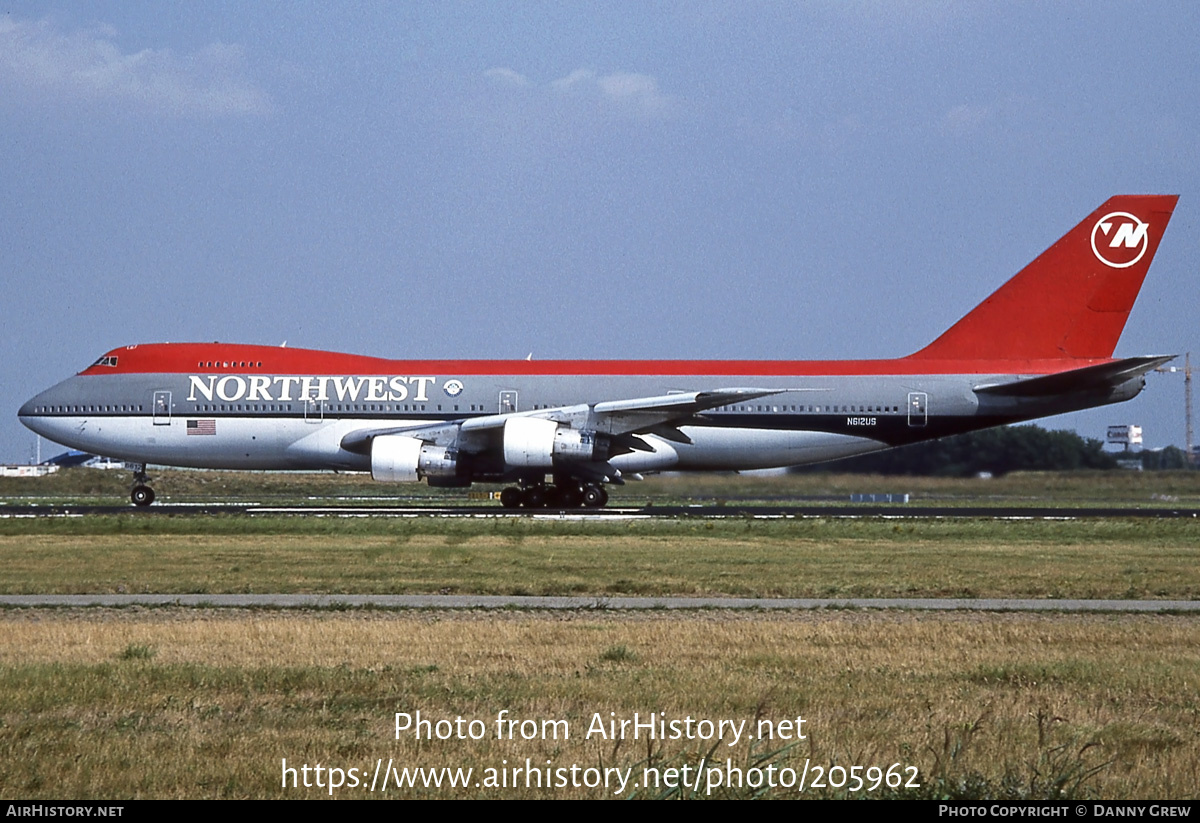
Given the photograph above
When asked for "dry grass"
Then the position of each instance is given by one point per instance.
(109, 704)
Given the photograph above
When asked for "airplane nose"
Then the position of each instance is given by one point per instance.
(32, 415)
(28, 410)
(38, 415)
(30, 418)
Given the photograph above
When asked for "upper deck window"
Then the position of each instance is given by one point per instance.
(106, 360)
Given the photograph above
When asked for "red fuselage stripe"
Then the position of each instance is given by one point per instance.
(193, 358)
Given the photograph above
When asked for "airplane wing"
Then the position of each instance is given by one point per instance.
(1088, 378)
(661, 415)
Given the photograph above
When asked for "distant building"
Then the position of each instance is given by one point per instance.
(104, 463)
(1125, 436)
(27, 471)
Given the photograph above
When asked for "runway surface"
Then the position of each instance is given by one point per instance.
(450, 601)
(611, 513)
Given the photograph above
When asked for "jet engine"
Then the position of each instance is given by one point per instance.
(399, 459)
(532, 442)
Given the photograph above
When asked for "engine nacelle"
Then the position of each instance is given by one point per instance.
(399, 459)
(585, 446)
(532, 442)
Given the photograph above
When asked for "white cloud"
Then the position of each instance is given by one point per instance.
(965, 119)
(88, 64)
(575, 79)
(622, 91)
(506, 77)
(636, 89)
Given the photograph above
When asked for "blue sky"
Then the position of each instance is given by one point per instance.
(742, 180)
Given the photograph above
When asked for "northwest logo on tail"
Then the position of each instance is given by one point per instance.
(1119, 239)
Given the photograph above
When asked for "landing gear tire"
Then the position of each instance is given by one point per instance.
(558, 496)
(594, 497)
(142, 495)
(570, 497)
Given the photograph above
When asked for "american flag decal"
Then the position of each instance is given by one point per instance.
(202, 427)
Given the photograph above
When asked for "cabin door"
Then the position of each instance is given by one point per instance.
(918, 408)
(162, 408)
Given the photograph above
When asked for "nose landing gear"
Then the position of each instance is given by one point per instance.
(142, 495)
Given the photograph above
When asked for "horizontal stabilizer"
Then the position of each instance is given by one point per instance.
(1088, 378)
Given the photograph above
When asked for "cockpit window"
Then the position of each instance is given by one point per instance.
(106, 360)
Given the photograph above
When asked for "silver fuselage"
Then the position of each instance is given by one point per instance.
(246, 420)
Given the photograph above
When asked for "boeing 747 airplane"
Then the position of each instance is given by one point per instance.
(558, 431)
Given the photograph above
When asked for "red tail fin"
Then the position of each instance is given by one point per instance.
(1073, 300)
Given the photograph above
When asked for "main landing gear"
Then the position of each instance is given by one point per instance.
(142, 495)
(570, 495)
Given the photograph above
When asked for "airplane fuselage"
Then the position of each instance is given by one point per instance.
(251, 415)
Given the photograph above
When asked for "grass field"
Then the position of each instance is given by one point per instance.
(168, 703)
(121, 703)
(815, 557)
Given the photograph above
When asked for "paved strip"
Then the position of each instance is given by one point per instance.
(614, 513)
(761, 512)
(450, 601)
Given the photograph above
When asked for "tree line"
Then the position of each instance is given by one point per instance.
(999, 451)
